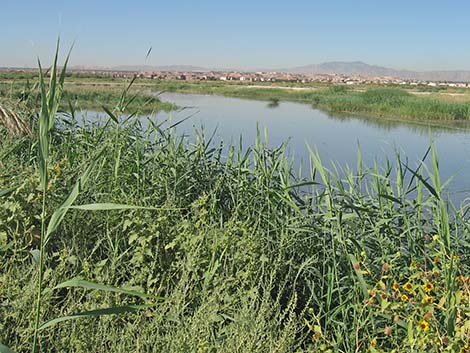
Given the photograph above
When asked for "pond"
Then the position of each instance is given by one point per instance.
(336, 137)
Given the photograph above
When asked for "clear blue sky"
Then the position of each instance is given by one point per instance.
(414, 34)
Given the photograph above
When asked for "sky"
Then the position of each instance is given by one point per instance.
(244, 34)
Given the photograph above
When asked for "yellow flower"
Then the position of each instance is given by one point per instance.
(464, 280)
(404, 298)
(427, 287)
(428, 299)
(408, 287)
(424, 325)
(373, 343)
(396, 286)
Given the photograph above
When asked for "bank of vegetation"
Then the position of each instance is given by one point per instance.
(380, 102)
(88, 96)
(115, 238)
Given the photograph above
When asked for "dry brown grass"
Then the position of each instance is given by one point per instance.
(13, 122)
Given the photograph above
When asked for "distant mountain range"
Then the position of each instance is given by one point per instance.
(334, 67)
(345, 68)
(363, 69)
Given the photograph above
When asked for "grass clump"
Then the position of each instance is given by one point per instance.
(96, 97)
(393, 103)
(389, 96)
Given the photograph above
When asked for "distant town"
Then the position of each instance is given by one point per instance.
(259, 76)
(274, 76)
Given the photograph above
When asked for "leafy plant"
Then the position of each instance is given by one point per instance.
(50, 100)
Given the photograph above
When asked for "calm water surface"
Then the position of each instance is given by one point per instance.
(336, 138)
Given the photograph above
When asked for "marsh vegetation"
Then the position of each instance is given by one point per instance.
(380, 102)
(123, 238)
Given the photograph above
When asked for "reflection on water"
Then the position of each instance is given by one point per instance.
(424, 127)
(273, 103)
(336, 137)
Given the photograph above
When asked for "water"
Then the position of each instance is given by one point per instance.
(336, 138)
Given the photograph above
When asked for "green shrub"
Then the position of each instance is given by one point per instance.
(389, 96)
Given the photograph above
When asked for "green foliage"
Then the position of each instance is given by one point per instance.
(141, 240)
(249, 258)
(335, 89)
(391, 96)
(50, 100)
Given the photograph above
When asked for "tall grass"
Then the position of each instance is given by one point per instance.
(250, 255)
(394, 103)
(46, 124)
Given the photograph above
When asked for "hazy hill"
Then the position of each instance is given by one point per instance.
(346, 68)
(363, 69)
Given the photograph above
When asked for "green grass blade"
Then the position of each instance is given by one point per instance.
(391, 198)
(80, 283)
(299, 185)
(59, 214)
(148, 53)
(62, 74)
(43, 150)
(110, 114)
(7, 191)
(93, 313)
(315, 158)
(425, 183)
(359, 166)
(51, 94)
(115, 206)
